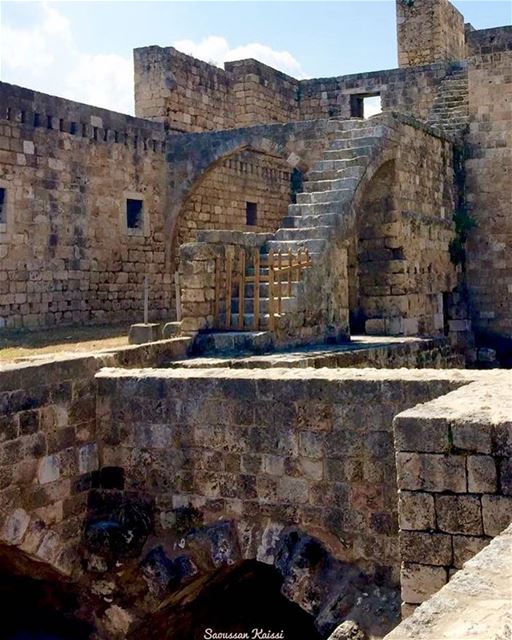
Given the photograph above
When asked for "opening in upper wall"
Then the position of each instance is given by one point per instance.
(251, 214)
(134, 213)
(365, 105)
(3, 206)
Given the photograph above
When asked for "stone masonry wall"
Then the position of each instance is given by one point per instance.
(66, 254)
(455, 482)
(49, 455)
(311, 449)
(488, 170)
(190, 95)
(219, 201)
(400, 261)
(429, 31)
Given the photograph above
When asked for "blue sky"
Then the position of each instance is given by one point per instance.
(82, 50)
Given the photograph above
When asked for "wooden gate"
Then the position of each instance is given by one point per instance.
(241, 267)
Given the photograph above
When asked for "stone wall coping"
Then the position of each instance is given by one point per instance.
(488, 400)
(460, 376)
(242, 238)
(67, 366)
(476, 598)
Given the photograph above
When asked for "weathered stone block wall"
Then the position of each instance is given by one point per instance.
(49, 453)
(488, 171)
(455, 482)
(66, 254)
(478, 597)
(429, 31)
(409, 91)
(268, 449)
(190, 95)
(219, 201)
(184, 93)
(262, 94)
(399, 260)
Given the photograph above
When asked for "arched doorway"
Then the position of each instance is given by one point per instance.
(376, 258)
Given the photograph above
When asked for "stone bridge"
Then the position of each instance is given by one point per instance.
(138, 487)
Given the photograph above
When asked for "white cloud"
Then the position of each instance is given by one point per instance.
(43, 57)
(216, 50)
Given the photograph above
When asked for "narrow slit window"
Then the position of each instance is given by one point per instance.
(251, 213)
(3, 212)
(134, 213)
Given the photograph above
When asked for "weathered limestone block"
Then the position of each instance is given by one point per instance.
(418, 582)
(431, 472)
(431, 548)
(416, 511)
(482, 474)
(459, 514)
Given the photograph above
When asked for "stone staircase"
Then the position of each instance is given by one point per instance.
(450, 110)
(328, 192)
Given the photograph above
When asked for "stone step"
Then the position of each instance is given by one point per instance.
(347, 154)
(348, 143)
(315, 246)
(233, 341)
(349, 182)
(304, 233)
(300, 222)
(338, 164)
(353, 171)
(318, 208)
(319, 197)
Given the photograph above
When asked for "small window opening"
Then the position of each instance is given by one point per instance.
(3, 215)
(365, 106)
(105, 135)
(134, 213)
(116, 136)
(8, 113)
(49, 122)
(61, 124)
(95, 133)
(22, 117)
(251, 213)
(84, 130)
(36, 120)
(72, 128)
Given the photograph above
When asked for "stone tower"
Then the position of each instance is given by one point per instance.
(429, 31)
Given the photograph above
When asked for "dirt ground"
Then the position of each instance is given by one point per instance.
(16, 345)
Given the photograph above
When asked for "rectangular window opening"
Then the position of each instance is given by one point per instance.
(3, 212)
(365, 105)
(134, 213)
(251, 213)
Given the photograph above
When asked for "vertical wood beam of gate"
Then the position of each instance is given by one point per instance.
(290, 265)
(280, 281)
(241, 290)
(229, 284)
(256, 284)
(271, 290)
(217, 293)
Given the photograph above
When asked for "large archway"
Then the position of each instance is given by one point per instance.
(375, 256)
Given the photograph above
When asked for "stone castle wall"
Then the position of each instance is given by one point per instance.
(455, 482)
(429, 31)
(265, 447)
(488, 170)
(66, 253)
(190, 95)
(220, 199)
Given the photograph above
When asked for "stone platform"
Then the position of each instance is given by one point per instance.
(361, 351)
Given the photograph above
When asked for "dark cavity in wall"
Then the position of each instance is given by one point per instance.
(235, 600)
